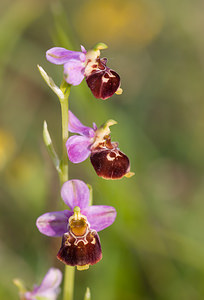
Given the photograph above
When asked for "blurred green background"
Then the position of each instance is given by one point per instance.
(155, 249)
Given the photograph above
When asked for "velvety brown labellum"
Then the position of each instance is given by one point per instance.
(110, 164)
(80, 251)
(102, 81)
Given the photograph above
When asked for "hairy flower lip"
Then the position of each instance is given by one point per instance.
(110, 163)
(80, 252)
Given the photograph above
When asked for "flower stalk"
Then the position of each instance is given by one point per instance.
(65, 88)
(61, 165)
(68, 290)
(69, 272)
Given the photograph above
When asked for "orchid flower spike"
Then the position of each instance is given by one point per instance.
(108, 161)
(47, 290)
(102, 81)
(80, 241)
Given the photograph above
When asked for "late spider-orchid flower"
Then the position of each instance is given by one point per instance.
(80, 241)
(102, 81)
(108, 161)
(47, 290)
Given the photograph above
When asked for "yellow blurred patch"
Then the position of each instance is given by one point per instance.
(23, 175)
(117, 22)
(21, 169)
(7, 147)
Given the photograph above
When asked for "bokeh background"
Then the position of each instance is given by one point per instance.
(155, 249)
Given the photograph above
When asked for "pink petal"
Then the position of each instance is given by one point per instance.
(50, 283)
(74, 72)
(53, 223)
(100, 216)
(60, 56)
(78, 148)
(75, 193)
(75, 126)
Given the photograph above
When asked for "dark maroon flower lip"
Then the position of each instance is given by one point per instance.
(80, 251)
(103, 84)
(110, 164)
(102, 81)
(80, 245)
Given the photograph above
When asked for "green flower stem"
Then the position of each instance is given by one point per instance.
(61, 165)
(65, 134)
(68, 289)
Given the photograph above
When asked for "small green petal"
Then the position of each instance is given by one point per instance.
(109, 123)
(100, 46)
(104, 129)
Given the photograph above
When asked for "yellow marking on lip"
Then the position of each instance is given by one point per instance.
(94, 241)
(105, 79)
(129, 174)
(109, 158)
(119, 91)
(82, 268)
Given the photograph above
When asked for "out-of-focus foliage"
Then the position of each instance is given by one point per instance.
(155, 249)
